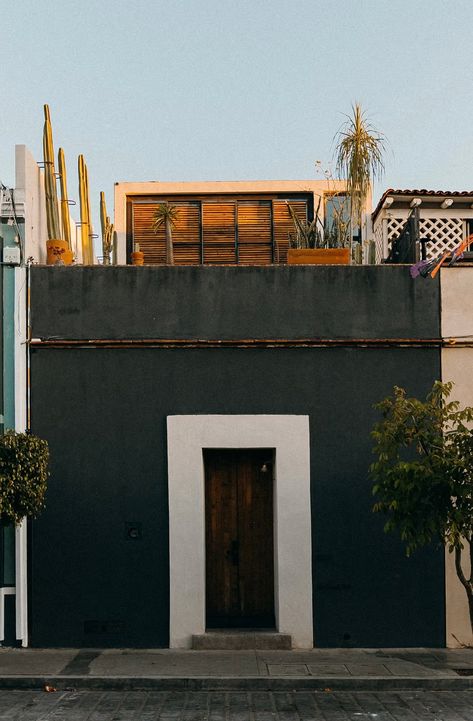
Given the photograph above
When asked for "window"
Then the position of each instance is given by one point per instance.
(337, 225)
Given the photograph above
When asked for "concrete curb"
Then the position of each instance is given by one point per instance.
(247, 683)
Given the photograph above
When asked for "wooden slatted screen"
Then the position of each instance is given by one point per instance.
(254, 232)
(283, 225)
(151, 244)
(218, 225)
(186, 234)
(247, 232)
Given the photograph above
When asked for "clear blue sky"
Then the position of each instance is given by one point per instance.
(237, 89)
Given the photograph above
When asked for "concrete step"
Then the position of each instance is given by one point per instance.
(242, 641)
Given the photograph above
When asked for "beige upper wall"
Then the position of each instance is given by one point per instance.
(457, 302)
(317, 187)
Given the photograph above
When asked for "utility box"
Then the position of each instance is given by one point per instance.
(12, 256)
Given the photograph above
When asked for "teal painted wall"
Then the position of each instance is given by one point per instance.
(7, 412)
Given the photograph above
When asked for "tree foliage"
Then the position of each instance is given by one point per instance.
(24, 460)
(423, 475)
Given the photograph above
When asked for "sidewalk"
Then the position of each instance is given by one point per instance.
(163, 669)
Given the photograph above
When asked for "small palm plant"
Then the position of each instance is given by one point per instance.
(166, 214)
(359, 158)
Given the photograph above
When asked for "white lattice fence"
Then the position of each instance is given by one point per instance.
(443, 233)
(395, 225)
(378, 237)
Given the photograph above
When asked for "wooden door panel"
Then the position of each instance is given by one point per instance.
(239, 537)
(255, 518)
(221, 531)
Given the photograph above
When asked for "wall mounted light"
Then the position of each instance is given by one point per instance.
(447, 203)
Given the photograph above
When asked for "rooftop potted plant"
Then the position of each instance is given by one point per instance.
(315, 243)
(58, 248)
(359, 160)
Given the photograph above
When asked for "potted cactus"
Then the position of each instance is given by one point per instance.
(58, 249)
(108, 233)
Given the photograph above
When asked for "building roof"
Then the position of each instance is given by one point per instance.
(465, 195)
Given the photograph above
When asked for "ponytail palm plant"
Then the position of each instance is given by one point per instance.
(166, 214)
(359, 158)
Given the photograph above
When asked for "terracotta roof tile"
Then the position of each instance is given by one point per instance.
(422, 191)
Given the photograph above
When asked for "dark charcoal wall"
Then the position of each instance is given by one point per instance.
(104, 413)
(229, 302)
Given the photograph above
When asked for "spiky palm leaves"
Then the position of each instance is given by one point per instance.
(166, 214)
(359, 158)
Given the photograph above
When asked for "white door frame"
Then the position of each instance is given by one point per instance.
(289, 436)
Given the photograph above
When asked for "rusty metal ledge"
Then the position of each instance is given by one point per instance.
(241, 343)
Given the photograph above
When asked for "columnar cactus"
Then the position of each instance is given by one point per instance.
(107, 231)
(85, 225)
(66, 221)
(52, 208)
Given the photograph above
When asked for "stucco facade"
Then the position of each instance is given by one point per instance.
(166, 361)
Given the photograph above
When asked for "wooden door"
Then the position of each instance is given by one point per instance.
(239, 538)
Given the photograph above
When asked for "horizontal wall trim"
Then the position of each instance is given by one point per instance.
(241, 343)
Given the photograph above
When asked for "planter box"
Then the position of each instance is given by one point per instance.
(58, 250)
(318, 256)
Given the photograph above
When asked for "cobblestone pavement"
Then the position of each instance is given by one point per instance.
(235, 706)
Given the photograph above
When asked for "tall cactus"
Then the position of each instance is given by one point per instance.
(52, 208)
(115, 248)
(66, 221)
(85, 225)
(107, 231)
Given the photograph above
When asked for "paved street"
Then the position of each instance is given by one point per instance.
(235, 706)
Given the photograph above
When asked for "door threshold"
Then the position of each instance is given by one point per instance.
(242, 640)
(242, 629)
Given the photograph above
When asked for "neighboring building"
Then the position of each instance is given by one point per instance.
(445, 218)
(22, 233)
(457, 366)
(223, 223)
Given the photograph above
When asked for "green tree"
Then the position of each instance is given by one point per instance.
(423, 475)
(24, 460)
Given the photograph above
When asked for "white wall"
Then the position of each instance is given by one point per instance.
(29, 188)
